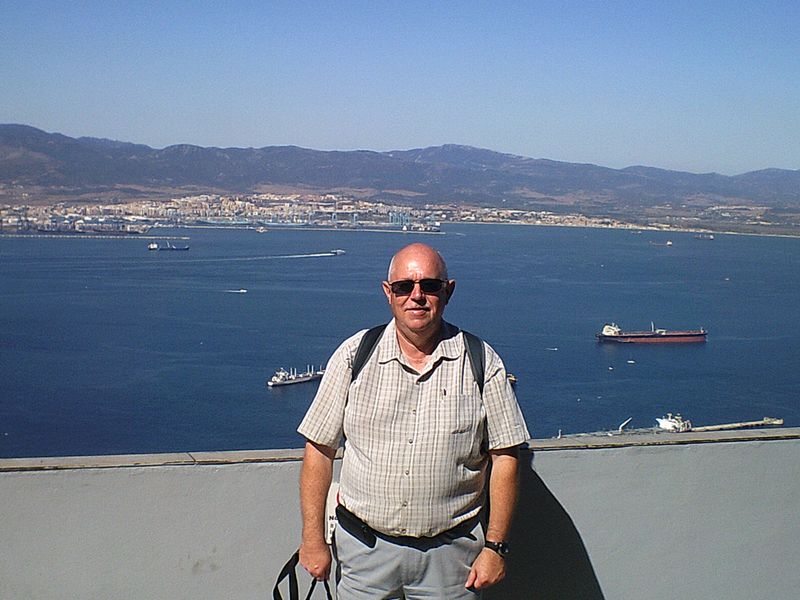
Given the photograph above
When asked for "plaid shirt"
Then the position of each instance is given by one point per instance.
(415, 458)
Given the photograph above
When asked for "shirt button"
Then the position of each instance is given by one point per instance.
(405, 504)
(410, 440)
(406, 471)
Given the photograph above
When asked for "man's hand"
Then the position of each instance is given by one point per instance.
(316, 559)
(488, 569)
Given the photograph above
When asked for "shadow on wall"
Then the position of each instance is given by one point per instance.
(548, 559)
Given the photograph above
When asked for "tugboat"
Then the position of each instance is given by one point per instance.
(284, 377)
(674, 423)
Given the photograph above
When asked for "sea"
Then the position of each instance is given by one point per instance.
(108, 348)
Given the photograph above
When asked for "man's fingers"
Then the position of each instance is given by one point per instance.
(471, 578)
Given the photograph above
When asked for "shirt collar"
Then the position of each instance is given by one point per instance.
(450, 347)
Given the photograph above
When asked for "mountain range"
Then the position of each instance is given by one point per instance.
(51, 165)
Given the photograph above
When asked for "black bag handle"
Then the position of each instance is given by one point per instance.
(288, 570)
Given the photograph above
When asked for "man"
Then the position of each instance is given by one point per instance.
(419, 439)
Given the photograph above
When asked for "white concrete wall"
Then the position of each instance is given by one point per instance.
(704, 520)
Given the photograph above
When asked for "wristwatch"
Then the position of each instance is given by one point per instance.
(500, 547)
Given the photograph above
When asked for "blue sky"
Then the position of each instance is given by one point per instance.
(697, 86)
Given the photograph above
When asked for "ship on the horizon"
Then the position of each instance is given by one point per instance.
(613, 333)
(284, 377)
(167, 246)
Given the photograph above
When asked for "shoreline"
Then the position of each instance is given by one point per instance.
(89, 236)
(629, 228)
(625, 227)
(303, 228)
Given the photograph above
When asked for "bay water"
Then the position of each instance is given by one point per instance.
(106, 348)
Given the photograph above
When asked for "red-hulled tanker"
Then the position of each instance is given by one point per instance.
(612, 333)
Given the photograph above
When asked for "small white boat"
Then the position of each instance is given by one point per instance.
(337, 252)
(152, 246)
(674, 423)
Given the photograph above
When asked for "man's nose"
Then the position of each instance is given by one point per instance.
(416, 292)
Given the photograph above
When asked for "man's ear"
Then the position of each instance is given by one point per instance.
(387, 290)
(451, 287)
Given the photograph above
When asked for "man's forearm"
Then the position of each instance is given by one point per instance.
(503, 486)
(315, 479)
(489, 567)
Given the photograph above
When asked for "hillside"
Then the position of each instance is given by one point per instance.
(40, 165)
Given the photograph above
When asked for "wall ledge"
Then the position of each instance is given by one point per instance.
(589, 441)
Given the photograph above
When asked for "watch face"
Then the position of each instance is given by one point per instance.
(500, 547)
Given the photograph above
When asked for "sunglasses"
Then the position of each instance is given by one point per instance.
(428, 286)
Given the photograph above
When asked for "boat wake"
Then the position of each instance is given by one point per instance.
(267, 257)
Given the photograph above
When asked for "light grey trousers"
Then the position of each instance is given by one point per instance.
(416, 570)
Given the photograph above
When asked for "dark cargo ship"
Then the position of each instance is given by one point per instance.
(612, 333)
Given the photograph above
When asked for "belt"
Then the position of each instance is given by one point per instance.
(368, 536)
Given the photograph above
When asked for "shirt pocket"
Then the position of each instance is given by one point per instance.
(460, 413)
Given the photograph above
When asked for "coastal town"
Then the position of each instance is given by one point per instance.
(323, 211)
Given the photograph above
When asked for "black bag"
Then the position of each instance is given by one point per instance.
(294, 593)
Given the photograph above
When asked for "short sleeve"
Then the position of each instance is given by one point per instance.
(323, 422)
(505, 423)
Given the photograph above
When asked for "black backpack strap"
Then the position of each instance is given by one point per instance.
(294, 593)
(288, 571)
(475, 352)
(365, 349)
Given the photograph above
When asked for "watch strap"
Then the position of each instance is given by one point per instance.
(500, 547)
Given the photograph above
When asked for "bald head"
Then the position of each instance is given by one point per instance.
(417, 254)
(418, 313)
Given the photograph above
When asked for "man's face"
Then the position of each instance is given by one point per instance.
(418, 312)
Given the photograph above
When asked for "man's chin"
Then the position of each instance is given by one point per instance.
(420, 325)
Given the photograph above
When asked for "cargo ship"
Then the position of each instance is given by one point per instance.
(284, 377)
(167, 246)
(612, 333)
